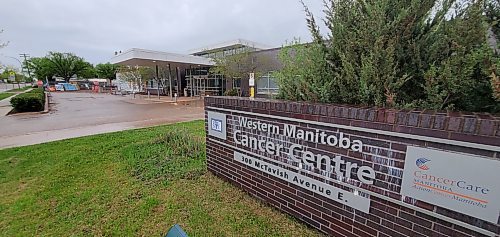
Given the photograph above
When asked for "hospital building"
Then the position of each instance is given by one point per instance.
(190, 75)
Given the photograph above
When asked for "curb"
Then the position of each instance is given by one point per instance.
(46, 108)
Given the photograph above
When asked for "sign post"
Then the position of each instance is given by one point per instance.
(251, 83)
(12, 76)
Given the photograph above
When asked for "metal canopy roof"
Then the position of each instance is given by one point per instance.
(144, 57)
(229, 45)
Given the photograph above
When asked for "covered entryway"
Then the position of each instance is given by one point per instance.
(171, 74)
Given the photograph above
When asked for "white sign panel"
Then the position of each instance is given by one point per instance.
(12, 76)
(251, 80)
(339, 195)
(217, 125)
(465, 184)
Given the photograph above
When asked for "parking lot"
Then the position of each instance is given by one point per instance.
(81, 114)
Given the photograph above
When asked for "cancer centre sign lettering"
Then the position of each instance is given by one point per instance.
(454, 181)
(321, 188)
(299, 154)
(364, 174)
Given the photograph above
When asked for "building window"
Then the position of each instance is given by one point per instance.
(266, 85)
(237, 83)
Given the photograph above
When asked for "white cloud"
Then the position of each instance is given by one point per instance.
(95, 29)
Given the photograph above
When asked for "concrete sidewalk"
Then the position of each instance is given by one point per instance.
(5, 107)
(10, 86)
(61, 134)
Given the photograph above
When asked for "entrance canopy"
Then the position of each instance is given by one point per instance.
(150, 58)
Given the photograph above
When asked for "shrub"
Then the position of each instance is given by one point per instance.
(36, 90)
(31, 101)
(425, 54)
(232, 92)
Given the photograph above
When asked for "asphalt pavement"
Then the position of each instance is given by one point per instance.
(81, 114)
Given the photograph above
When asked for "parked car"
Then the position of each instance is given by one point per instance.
(59, 87)
(68, 87)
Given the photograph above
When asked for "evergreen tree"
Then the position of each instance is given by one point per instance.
(400, 53)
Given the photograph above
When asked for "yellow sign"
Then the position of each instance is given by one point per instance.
(252, 92)
(12, 76)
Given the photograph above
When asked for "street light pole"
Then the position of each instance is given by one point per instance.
(20, 63)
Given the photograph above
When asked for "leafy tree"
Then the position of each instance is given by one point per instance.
(18, 78)
(306, 64)
(136, 76)
(66, 65)
(6, 73)
(107, 70)
(238, 66)
(411, 53)
(89, 72)
(42, 68)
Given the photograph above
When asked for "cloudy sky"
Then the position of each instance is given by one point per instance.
(95, 29)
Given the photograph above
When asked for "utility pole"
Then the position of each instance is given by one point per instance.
(26, 56)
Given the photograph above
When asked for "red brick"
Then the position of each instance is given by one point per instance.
(487, 127)
(454, 124)
(442, 229)
(381, 115)
(361, 233)
(331, 232)
(424, 205)
(386, 231)
(440, 122)
(311, 222)
(336, 223)
(386, 218)
(415, 219)
(425, 121)
(390, 117)
(475, 139)
(308, 208)
(292, 211)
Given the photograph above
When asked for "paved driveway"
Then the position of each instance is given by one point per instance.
(82, 114)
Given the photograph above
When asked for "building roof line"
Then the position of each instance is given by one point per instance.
(228, 44)
(160, 56)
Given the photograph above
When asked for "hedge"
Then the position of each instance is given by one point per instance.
(31, 101)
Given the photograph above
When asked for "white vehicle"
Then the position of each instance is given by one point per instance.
(59, 87)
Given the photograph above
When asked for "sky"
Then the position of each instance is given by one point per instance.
(95, 29)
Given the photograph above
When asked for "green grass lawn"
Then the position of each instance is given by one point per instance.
(19, 89)
(4, 95)
(137, 182)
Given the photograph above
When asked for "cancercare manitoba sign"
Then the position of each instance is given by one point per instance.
(339, 174)
(454, 181)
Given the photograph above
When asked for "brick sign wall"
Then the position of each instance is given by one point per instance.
(361, 171)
